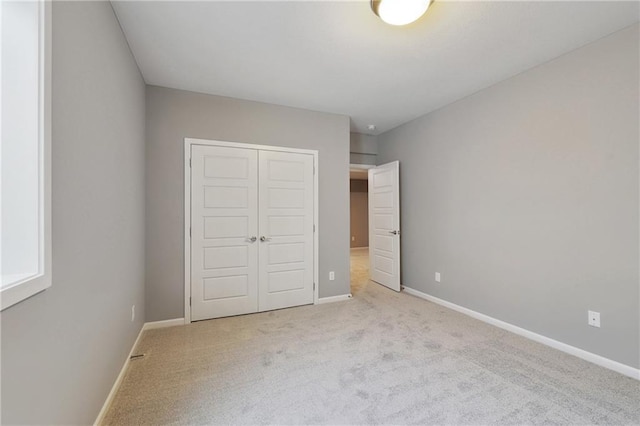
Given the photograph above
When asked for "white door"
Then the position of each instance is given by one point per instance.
(384, 224)
(224, 227)
(286, 229)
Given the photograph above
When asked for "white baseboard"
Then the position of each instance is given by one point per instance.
(162, 324)
(331, 299)
(118, 382)
(572, 350)
(116, 385)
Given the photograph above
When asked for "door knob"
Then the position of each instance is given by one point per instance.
(263, 238)
(394, 232)
(251, 240)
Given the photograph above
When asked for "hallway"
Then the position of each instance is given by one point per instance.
(359, 269)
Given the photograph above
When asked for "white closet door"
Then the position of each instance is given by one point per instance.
(286, 229)
(384, 224)
(224, 218)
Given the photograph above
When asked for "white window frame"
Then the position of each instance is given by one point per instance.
(26, 288)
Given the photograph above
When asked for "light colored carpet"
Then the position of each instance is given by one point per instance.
(379, 358)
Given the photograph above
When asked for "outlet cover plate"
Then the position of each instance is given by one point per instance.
(594, 319)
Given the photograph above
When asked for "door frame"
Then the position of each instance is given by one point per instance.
(188, 143)
(361, 166)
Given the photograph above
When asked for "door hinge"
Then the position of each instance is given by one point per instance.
(189, 162)
(314, 227)
(189, 300)
(314, 286)
(189, 232)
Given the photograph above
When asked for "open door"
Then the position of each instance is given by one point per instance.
(384, 224)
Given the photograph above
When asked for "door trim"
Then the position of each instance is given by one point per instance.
(361, 166)
(188, 143)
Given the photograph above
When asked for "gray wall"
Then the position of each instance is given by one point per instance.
(359, 213)
(363, 149)
(525, 197)
(173, 115)
(63, 348)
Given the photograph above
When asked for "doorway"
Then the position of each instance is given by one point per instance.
(359, 225)
(375, 207)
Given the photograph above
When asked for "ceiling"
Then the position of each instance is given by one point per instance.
(337, 56)
(359, 174)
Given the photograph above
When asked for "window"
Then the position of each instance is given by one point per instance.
(25, 157)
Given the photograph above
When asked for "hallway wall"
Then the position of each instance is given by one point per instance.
(359, 213)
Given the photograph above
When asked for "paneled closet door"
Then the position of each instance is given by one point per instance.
(224, 230)
(286, 229)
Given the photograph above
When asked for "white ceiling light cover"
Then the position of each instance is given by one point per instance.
(400, 12)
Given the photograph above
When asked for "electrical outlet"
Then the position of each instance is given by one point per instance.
(332, 276)
(594, 318)
(133, 313)
(437, 277)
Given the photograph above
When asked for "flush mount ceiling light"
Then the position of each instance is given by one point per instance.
(399, 12)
